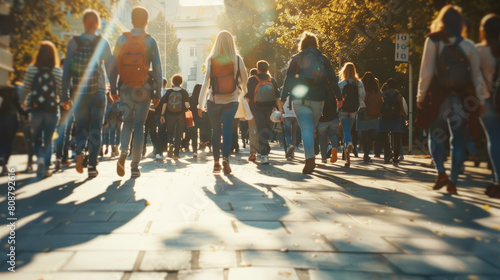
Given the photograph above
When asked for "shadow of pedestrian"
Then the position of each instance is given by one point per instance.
(47, 221)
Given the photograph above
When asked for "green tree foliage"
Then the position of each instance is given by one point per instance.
(33, 19)
(248, 21)
(166, 36)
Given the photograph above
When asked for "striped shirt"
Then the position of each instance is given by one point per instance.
(29, 79)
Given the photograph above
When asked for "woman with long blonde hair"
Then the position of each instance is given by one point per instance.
(353, 93)
(225, 79)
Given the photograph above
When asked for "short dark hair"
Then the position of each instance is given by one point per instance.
(164, 82)
(177, 80)
(308, 40)
(253, 71)
(391, 83)
(263, 66)
(90, 14)
(47, 56)
(140, 16)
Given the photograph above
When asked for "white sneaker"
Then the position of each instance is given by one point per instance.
(264, 160)
(159, 157)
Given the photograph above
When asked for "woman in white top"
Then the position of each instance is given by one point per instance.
(446, 30)
(225, 79)
(489, 54)
(347, 113)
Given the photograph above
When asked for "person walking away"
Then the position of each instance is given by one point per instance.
(327, 130)
(368, 118)
(252, 130)
(353, 93)
(161, 138)
(10, 110)
(262, 96)
(136, 52)
(310, 80)
(226, 77)
(42, 86)
(88, 58)
(63, 136)
(489, 55)
(173, 113)
(449, 75)
(290, 128)
(392, 121)
(201, 123)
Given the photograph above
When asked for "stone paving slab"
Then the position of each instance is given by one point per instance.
(349, 275)
(311, 260)
(148, 276)
(100, 227)
(61, 276)
(101, 261)
(268, 273)
(40, 262)
(201, 274)
(166, 260)
(425, 245)
(217, 259)
(441, 264)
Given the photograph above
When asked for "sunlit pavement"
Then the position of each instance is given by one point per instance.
(180, 221)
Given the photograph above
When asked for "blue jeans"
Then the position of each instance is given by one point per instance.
(134, 116)
(308, 115)
(451, 117)
(290, 130)
(347, 120)
(89, 116)
(43, 125)
(327, 130)
(491, 125)
(175, 127)
(64, 134)
(262, 116)
(221, 114)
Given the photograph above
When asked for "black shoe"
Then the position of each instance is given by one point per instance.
(135, 172)
(58, 165)
(367, 159)
(92, 171)
(355, 152)
(389, 158)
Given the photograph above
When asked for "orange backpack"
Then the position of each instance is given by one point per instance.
(131, 61)
(222, 77)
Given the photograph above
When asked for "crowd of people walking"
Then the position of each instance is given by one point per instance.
(314, 108)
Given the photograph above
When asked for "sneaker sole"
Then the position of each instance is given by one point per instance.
(120, 166)
(79, 164)
(334, 157)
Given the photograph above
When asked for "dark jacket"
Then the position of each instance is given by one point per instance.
(252, 83)
(329, 111)
(326, 86)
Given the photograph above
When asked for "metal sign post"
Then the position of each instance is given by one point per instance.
(402, 54)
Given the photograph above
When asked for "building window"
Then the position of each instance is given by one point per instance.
(192, 74)
(192, 52)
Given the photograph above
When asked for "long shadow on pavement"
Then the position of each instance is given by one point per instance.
(54, 225)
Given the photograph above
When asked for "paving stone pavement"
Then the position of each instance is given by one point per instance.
(181, 221)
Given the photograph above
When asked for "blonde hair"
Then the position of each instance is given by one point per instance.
(224, 50)
(348, 72)
(450, 19)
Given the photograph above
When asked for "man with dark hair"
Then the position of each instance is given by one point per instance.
(136, 52)
(88, 57)
(175, 104)
(262, 96)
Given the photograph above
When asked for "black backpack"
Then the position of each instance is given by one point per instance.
(391, 108)
(174, 101)
(350, 95)
(85, 70)
(453, 67)
(44, 96)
